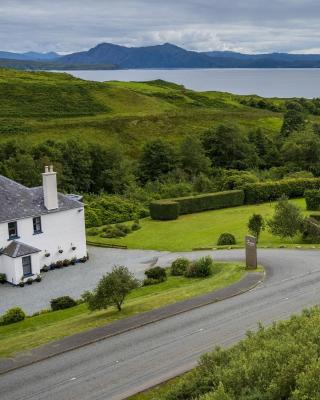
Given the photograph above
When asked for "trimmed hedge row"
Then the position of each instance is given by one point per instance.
(266, 191)
(171, 209)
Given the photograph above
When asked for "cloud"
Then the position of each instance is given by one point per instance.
(242, 25)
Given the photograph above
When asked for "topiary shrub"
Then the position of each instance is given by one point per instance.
(60, 303)
(157, 273)
(3, 278)
(179, 266)
(312, 199)
(12, 316)
(226, 239)
(201, 268)
(164, 210)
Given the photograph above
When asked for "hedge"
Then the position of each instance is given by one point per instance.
(312, 199)
(267, 191)
(164, 210)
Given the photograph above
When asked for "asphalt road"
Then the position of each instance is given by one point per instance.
(120, 366)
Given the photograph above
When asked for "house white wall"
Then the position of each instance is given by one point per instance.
(13, 269)
(60, 230)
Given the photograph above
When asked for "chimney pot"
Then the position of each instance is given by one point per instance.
(46, 169)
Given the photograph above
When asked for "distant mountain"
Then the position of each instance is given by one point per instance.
(111, 56)
(30, 55)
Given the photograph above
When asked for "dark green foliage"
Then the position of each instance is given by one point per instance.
(200, 268)
(312, 199)
(226, 239)
(294, 119)
(151, 281)
(12, 316)
(193, 158)
(311, 230)
(135, 226)
(157, 273)
(164, 210)
(3, 278)
(268, 191)
(256, 225)
(112, 289)
(60, 303)
(280, 362)
(179, 266)
(287, 220)
(315, 216)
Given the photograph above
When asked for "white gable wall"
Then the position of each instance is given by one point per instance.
(61, 230)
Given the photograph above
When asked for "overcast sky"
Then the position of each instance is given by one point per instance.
(250, 26)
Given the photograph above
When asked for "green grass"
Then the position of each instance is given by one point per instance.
(201, 230)
(38, 330)
(157, 391)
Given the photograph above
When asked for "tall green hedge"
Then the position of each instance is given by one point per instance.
(267, 191)
(312, 199)
(172, 208)
(164, 210)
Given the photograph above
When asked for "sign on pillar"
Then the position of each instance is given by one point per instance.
(251, 252)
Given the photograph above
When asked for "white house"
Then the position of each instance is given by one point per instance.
(38, 226)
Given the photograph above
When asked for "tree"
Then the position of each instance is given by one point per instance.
(193, 158)
(256, 225)
(294, 119)
(227, 147)
(287, 220)
(157, 159)
(112, 289)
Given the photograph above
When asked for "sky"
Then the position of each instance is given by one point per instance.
(248, 26)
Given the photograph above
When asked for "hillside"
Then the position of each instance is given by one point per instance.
(41, 105)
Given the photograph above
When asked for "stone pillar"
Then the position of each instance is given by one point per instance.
(251, 252)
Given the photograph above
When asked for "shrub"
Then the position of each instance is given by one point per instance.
(135, 226)
(93, 231)
(311, 231)
(256, 225)
(164, 210)
(201, 268)
(21, 284)
(60, 303)
(226, 239)
(151, 281)
(315, 216)
(312, 199)
(124, 228)
(12, 316)
(179, 266)
(92, 217)
(3, 278)
(158, 273)
(267, 191)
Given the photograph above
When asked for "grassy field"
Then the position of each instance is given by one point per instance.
(36, 106)
(38, 330)
(201, 230)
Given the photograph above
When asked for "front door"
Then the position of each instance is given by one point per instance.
(26, 265)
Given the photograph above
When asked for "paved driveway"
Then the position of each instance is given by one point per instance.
(74, 280)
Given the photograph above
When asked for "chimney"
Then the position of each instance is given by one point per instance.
(49, 184)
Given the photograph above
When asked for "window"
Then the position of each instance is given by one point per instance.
(13, 230)
(26, 266)
(37, 225)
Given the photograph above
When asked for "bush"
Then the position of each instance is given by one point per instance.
(151, 281)
(311, 231)
(157, 273)
(267, 191)
(256, 225)
(201, 268)
(164, 210)
(312, 199)
(3, 278)
(172, 208)
(179, 266)
(124, 228)
(135, 226)
(12, 316)
(226, 239)
(93, 231)
(60, 303)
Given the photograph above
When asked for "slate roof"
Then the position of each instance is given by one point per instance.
(18, 202)
(18, 249)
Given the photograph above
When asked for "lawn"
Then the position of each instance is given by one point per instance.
(41, 329)
(201, 230)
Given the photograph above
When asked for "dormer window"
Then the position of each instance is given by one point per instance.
(13, 230)
(37, 225)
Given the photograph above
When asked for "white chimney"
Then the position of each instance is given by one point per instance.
(50, 192)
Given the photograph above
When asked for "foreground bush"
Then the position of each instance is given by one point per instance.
(179, 266)
(312, 199)
(201, 268)
(60, 303)
(226, 239)
(156, 273)
(12, 316)
(280, 362)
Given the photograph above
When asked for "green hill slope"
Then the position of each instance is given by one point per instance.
(42, 105)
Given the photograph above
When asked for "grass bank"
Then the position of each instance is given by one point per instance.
(38, 330)
(202, 230)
